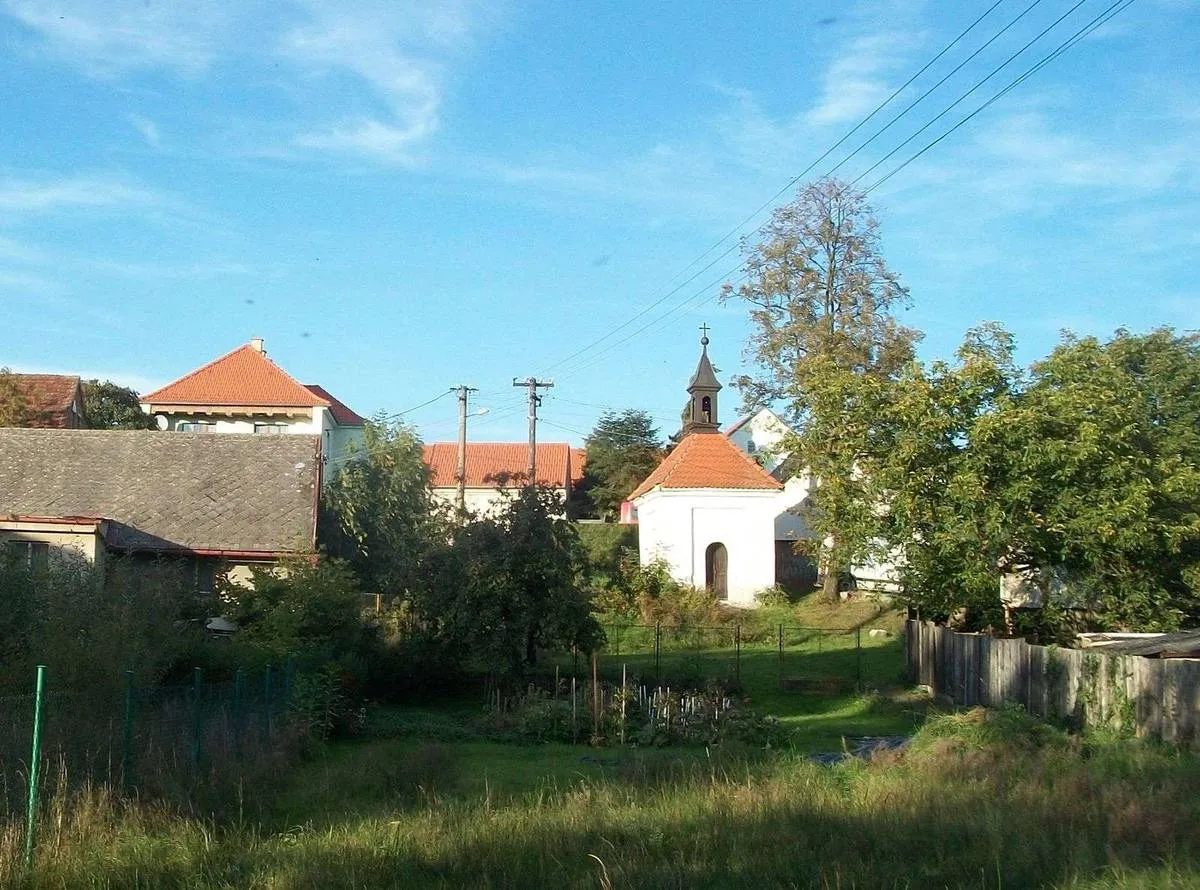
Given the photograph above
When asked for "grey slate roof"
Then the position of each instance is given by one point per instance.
(168, 491)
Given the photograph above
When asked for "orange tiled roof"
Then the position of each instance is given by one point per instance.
(340, 411)
(485, 460)
(247, 378)
(48, 398)
(707, 460)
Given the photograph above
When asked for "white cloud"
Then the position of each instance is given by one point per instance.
(387, 61)
(106, 37)
(859, 78)
(400, 51)
(147, 128)
(46, 196)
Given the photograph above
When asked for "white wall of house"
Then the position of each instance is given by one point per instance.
(481, 501)
(336, 440)
(760, 436)
(678, 525)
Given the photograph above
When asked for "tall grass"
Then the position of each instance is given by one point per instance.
(979, 800)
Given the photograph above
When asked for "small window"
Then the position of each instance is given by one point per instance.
(270, 429)
(34, 555)
(195, 426)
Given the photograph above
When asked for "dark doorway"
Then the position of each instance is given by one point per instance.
(794, 572)
(716, 570)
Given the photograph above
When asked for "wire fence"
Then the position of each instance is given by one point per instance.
(800, 659)
(152, 741)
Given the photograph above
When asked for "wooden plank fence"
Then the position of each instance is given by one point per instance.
(1149, 697)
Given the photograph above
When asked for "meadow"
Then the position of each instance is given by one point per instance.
(432, 796)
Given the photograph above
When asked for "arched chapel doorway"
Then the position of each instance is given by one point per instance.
(716, 570)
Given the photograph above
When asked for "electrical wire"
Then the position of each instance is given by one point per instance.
(1113, 10)
(792, 182)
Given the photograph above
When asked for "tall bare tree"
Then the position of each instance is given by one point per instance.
(822, 302)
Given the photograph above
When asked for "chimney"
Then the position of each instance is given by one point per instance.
(256, 343)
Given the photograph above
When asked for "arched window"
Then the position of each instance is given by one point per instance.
(716, 569)
(706, 409)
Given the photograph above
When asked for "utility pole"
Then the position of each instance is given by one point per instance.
(461, 471)
(534, 400)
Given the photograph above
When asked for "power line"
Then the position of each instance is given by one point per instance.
(1096, 22)
(990, 75)
(792, 182)
(913, 104)
(1111, 11)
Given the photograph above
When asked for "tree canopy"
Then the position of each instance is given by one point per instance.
(1087, 467)
(378, 511)
(13, 410)
(622, 450)
(508, 585)
(822, 302)
(109, 406)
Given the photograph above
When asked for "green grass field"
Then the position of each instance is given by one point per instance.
(981, 800)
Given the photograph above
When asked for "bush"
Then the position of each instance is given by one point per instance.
(91, 624)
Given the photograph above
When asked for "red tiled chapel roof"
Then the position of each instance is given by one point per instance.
(707, 460)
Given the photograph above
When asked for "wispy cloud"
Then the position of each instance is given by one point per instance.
(386, 63)
(147, 128)
(106, 37)
(859, 78)
(400, 52)
(48, 195)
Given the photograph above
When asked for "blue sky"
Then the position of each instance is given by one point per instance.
(401, 196)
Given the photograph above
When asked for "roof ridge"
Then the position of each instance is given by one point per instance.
(188, 376)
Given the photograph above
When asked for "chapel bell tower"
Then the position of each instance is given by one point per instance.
(702, 410)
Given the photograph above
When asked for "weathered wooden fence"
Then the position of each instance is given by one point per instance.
(1156, 697)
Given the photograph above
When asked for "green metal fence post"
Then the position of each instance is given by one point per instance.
(197, 713)
(236, 717)
(127, 736)
(858, 657)
(737, 663)
(779, 660)
(35, 762)
(266, 714)
(657, 654)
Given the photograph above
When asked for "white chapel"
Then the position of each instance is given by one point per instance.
(709, 510)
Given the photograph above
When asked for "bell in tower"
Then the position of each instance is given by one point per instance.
(702, 415)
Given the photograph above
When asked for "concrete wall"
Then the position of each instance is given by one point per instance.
(677, 526)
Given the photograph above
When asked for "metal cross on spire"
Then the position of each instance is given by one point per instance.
(704, 334)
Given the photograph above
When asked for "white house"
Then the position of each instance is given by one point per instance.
(491, 467)
(245, 392)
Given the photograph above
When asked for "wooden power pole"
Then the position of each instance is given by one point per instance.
(534, 400)
(460, 473)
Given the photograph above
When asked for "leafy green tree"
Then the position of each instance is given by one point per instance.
(13, 410)
(378, 511)
(313, 610)
(109, 406)
(821, 302)
(622, 450)
(509, 585)
(1089, 465)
